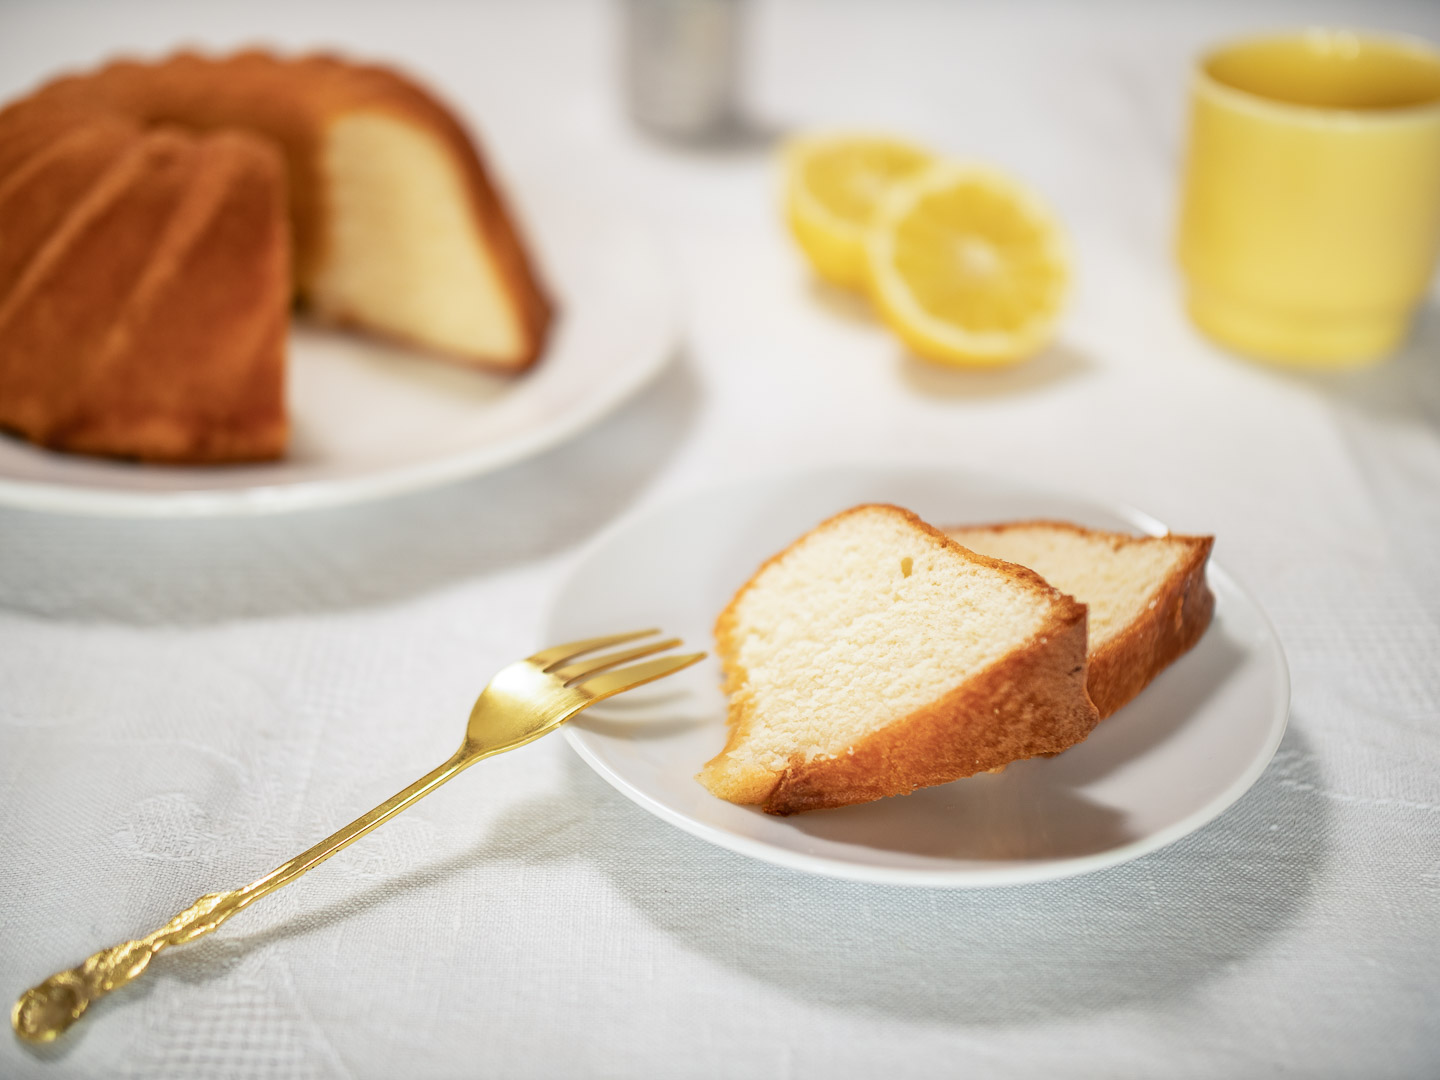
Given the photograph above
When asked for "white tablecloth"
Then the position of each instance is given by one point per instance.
(184, 705)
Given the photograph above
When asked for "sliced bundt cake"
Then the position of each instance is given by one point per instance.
(156, 221)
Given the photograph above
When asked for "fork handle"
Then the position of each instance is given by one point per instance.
(44, 1011)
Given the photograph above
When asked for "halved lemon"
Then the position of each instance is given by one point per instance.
(967, 266)
(832, 185)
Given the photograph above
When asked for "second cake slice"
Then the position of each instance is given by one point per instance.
(1147, 595)
(875, 656)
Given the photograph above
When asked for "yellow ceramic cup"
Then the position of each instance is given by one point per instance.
(1310, 219)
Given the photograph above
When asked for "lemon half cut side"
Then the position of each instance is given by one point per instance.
(833, 184)
(967, 266)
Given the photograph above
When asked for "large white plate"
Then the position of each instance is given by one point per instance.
(1170, 761)
(370, 419)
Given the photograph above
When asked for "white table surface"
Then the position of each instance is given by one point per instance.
(184, 705)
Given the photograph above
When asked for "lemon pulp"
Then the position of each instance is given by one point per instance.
(966, 266)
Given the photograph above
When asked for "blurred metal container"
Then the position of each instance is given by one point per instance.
(682, 65)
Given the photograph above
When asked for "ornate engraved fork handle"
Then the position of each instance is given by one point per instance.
(46, 1010)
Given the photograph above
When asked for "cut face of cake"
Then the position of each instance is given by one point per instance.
(403, 258)
(874, 656)
(1147, 595)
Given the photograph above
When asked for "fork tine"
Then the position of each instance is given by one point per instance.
(590, 667)
(558, 654)
(627, 678)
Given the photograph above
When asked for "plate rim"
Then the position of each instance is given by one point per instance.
(265, 499)
(915, 877)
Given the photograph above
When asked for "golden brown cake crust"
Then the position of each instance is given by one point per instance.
(1033, 701)
(127, 332)
(1179, 616)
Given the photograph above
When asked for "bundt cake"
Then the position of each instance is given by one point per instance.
(874, 656)
(157, 220)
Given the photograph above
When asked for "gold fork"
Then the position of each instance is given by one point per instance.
(525, 700)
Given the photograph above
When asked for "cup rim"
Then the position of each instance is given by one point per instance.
(1201, 79)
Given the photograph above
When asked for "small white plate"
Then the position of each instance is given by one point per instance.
(369, 419)
(1169, 762)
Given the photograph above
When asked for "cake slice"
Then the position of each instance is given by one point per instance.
(874, 656)
(1147, 595)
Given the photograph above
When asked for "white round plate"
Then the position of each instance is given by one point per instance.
(370, 419)
(1167, 763)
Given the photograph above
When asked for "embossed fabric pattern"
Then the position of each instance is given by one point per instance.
(186, 704)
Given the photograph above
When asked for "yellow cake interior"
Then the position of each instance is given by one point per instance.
(403, 249)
